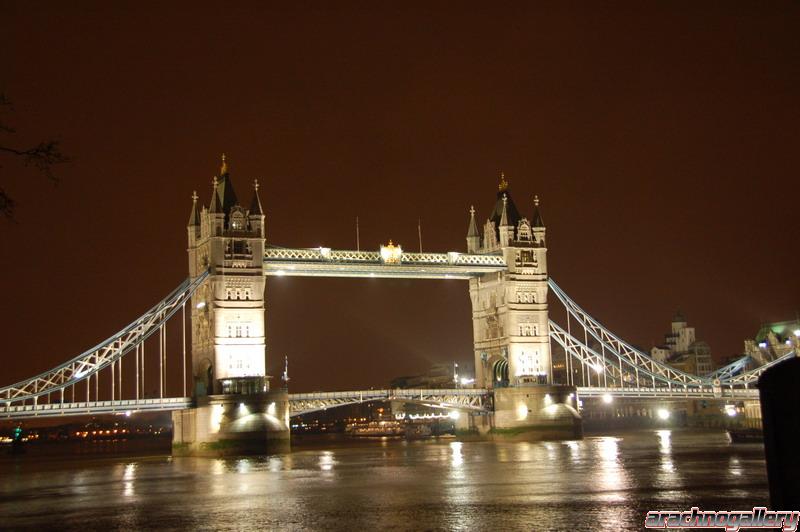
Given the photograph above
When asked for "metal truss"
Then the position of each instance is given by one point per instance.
(124, 406)
(616, 353)
(666, 393)
(326, 262)
(734, 368)
(108, 352)
(461, 399)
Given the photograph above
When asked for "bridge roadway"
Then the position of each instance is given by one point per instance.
(472, 399)
(326, 262)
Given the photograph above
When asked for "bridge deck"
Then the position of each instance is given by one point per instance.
(325, 262)
(94, 407)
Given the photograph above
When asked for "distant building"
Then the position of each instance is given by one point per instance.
(682, 351)
(772, 341)
(439, 376)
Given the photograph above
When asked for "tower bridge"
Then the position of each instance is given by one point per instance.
(530, 370)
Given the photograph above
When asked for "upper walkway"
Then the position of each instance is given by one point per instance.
(326, 262)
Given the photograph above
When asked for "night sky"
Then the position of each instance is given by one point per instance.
(662, 139)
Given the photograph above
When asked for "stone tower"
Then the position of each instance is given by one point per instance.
(509, 308)
(228, 335)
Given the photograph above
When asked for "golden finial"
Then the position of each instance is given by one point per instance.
(503, 183)
(255, 184)
(536, 200)
(194, 196)
(214, 181)
(224, 168)
(472, 210)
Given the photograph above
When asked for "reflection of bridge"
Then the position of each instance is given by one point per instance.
(518, 344)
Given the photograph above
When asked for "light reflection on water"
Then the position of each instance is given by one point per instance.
(602, 483)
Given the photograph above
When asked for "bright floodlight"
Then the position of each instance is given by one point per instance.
(597, 368)
(201, 304)
(280, 272)
(797, 332)
(607, 399)
(663, 413)
(730, 410)
(465, 381)
(455, 414)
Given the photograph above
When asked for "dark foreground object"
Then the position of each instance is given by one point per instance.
(780, 410)
(746, 435)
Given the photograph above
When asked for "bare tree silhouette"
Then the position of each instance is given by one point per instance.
(43, 157)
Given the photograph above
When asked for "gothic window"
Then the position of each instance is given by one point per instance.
(535, 329)
(238, 331)
(524, 230)
(237, 220)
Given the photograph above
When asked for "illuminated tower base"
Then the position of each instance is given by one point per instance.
(233, 424)
(537, 413)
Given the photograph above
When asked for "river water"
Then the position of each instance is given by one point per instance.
(599, 483)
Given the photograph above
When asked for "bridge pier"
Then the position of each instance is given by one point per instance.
(233, 424)
(537, 413)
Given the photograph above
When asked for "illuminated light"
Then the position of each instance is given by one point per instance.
(271, 409)
(663, 414)
(788, 342)
(571, 395)
(127, 413)
(547, 399)
(391, 254)
(797, 332)
(81, 373)
(215, 419)
(762, 345)
(730, 410)
(372, 275)
(607, 399)
(522, 411)
(455, 414)
(325, 252)
(597, 368)
(280, 272)
(201, 304)
(465, 381)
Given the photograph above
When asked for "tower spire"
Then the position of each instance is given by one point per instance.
(473, 227)
(536, 219)
(504, 215)
(223, 169)
(255, 204)
(215, 206)
(194, 216)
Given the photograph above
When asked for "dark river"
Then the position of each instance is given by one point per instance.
(599, 483)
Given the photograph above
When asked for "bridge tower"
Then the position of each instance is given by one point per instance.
(510, 324)
(509, 309)
(231, 387)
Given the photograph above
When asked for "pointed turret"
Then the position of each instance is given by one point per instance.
(225, 192)
(512, 214)
(537, 224)
(215, 206)
(536, 220)
(473, 237)
(255, 204)
(506, 230)
(194, 216)
(256, 213)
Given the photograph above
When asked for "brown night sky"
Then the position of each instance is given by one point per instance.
(662, 139)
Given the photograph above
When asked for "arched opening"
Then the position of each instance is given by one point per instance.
(205, 378)
(500, 373)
